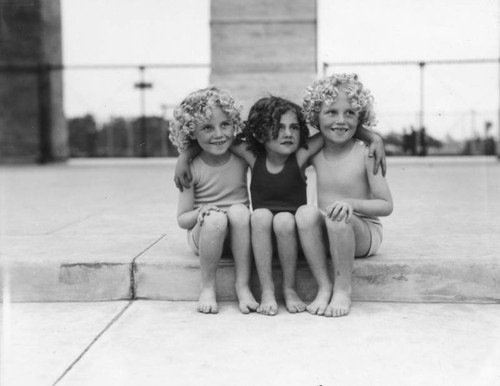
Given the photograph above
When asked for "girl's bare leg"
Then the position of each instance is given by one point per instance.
(310, 223)
(261, 221)
(239, 222)
(347, 240)
(211, 242)
(286, 236)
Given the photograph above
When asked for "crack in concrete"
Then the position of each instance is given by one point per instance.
(133, 267)
(108, 326)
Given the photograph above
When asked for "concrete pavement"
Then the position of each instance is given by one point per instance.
(169, 343)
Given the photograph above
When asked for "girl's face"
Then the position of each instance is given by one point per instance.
(338, 121)
(215, 135)
(288, 140)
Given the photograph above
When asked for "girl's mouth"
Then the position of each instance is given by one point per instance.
(219, 143)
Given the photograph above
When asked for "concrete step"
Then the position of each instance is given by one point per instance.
(383, 277)
(167, 270)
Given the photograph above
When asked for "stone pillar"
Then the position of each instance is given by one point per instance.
(32, 124)
(262, 47)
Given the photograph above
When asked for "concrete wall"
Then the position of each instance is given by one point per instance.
(32, 124)
(263, 46)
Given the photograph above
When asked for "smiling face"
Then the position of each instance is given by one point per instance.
(288, 140)
(216, 134)
(338, 121)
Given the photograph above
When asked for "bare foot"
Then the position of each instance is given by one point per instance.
(319, 304)
(207, 302)
(293, 302)
(268, 304)
(247, 302)
(340, 304)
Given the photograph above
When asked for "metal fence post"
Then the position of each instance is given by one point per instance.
(44, 114)
(142, 85)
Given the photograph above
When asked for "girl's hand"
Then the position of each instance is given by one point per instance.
(182, 175)
(339, 210)
(205, 211)
(376, 149)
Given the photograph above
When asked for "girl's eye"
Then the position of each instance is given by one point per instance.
(294, 127)
(207, 128)
(350, 113)
(226, 124)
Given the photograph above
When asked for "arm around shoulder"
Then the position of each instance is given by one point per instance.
(316, 143)
(182, 173)
(241, 151)
(379, 187)
(376, 148)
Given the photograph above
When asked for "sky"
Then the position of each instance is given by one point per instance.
(458, 99)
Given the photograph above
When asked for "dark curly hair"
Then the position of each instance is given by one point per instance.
(264, 123)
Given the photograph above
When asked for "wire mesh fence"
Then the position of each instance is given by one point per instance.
(124, 110)
(456, 98)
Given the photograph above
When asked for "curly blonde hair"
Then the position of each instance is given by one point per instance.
(196, 109)
(327, 90)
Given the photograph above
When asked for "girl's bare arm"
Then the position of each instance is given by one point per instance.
(381, 203)
(241, 151)
(186, 215)
(182, 173)
(316, 143)
(375, 146)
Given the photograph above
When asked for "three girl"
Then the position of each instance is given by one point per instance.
(277, 148)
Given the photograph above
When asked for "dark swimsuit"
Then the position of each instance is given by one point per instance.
(281, 192)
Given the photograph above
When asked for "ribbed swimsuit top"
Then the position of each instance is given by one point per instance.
(284, 191)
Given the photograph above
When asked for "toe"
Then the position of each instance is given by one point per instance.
(244, 309)
(312, 310)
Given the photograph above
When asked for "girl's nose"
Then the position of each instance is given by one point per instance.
(287, 132)
(218, 131)
(340, 118)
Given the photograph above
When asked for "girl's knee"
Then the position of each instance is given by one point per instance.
(284, 223)
(338, 227)
(238, 214)
(215, 222)
(306, 216)
(261, 217)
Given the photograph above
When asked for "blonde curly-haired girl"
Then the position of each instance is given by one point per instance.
(215, 209)
(351, 195)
